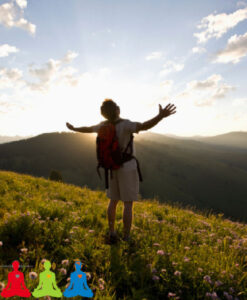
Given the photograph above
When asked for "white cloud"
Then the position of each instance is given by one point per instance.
(6, 49)
(24, 24)
(206, 92)
(217, 25)
(10, 78)
(47, 72)
(21, 3)
(53, 72)
(211, 82)
(167, 83)
(198, 50)
(11, 15)
(235, 50)
(69, 57)
(154, 55)
(171, 66)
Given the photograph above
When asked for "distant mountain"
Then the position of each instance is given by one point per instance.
(236, 139)
(193, 173)
(6, 139)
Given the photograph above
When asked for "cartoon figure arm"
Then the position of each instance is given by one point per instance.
(22, 282)
(54, 282)
(70, 284)
(9, 282)
(85, 283)
(40, 282)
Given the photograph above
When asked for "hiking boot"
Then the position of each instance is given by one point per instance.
(112, 238)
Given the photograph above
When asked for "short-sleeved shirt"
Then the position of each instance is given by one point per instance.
(124, 129)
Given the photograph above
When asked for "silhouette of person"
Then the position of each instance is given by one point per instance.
(15, 285)
(124, 184)
(78, 284)
(47, 283)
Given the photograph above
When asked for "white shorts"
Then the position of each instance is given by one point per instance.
(124, 185)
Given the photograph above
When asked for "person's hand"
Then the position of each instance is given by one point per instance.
(71, 127)
(167, 111)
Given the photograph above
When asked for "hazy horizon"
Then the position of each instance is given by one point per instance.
(149, 131)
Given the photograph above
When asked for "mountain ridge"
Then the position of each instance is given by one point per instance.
(188, 172)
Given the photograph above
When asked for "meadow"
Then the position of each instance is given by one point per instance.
(176, 253)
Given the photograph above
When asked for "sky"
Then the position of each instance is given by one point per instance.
(60, 59)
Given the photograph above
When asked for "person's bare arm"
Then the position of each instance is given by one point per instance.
(163, 113)
(83, 129)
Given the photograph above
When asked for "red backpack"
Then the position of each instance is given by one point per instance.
(109, 155)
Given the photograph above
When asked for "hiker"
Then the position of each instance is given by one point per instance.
(124, 180)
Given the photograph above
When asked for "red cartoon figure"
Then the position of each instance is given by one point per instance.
(16, 285)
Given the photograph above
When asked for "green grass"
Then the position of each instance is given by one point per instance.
(60, 221)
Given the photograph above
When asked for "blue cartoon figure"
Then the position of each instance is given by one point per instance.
(78, 284)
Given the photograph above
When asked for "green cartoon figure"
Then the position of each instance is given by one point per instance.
(47, 283)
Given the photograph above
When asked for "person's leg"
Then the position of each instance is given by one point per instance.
(113, 194)
(111, 212)
(128, 187)
(127, 217)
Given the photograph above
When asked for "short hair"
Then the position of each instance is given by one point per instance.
(109, 109)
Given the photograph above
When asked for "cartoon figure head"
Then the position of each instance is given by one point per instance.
(78, 265)
(47, 265)
(15, 265)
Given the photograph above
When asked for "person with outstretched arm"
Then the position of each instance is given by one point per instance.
(124, 182)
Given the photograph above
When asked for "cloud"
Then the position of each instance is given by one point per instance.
(10, 78)
(21, 3)
(53, 72)
(167, 83)
(6, 49)
(69, 57)
(206, 92)
(198, 50)
(217, 25)
(171, 66)
(46, 73)
(210, 82)
(154, 55)
(235, 50)
(11, 15)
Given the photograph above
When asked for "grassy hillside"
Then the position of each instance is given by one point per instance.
(189, 172)
(176, 251)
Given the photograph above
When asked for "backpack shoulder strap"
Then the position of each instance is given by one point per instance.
(130, 144)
